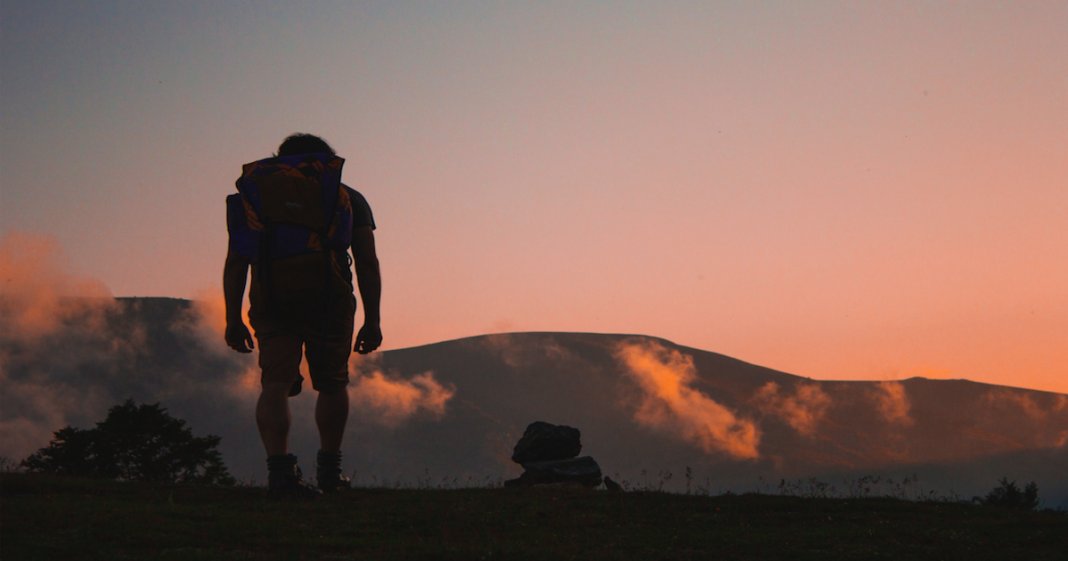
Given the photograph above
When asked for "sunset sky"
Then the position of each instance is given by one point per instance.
(870, 190)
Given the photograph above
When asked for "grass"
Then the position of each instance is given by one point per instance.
(48, 517)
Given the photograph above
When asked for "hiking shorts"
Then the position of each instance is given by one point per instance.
(327, 355)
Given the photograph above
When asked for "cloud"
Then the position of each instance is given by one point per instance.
(390, 401)
(523, 349)
(669, 402)
(37, 295)
(1004, 398)
(33, 411)
(207, 316)
(205, 319)
(52, 323)
(892, 401)
(69, 351)
(803, 410)
(246, 384)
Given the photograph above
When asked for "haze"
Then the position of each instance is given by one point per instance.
(838, 190)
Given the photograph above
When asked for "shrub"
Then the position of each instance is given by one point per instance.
(1008, 495)
(134, 443)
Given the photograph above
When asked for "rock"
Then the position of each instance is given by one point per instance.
(544, 442)
(583, 471)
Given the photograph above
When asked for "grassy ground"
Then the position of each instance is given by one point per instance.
(58, 518)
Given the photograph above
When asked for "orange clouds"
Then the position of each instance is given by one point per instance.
(382, 399)
(37, 294)
(1047, 413)
(517, 355)
(892, 400)
(802, 411)
(246, 384)
(206, 319)
(210, 309)
(390, 401)
(1004, 398)
(669, 402)
(39, 299)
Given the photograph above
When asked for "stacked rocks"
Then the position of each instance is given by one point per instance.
(548, 453)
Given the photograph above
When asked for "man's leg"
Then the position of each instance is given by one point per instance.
(273, 417)
(280, 362)
(328, 362)
(331, 415)
(284, 480)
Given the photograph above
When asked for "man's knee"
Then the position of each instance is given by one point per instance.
(330, 387)
(275, 388)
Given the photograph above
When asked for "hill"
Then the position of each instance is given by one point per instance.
(654, 414)
(56, 518)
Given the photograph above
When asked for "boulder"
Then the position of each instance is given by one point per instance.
(544, 442)
(583, 471)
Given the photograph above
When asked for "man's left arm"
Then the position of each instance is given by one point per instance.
(369, 281)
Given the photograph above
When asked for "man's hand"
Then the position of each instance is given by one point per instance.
(239, 338)
(368, 339)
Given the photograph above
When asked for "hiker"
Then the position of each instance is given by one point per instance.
(293, 222)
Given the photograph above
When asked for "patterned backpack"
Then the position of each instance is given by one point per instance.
(298, 227)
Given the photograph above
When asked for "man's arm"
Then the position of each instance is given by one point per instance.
(235, 274)
(369, 281)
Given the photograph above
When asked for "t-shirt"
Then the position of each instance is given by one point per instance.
(361, 211)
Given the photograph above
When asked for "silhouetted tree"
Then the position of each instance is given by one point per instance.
(134, 443)
(1008, 495)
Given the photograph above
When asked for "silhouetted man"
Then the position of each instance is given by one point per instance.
(293, 222)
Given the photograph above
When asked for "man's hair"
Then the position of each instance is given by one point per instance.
(303, 143)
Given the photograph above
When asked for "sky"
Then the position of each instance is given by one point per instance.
(837, 190)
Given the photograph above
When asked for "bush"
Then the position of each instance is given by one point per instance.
(134, 443)
(1008, 495)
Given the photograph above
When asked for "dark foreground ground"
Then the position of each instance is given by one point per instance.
(57, 518)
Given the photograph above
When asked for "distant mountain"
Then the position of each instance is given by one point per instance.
(651, 412)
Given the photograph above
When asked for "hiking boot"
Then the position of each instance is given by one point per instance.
(328, 473)
(285, 481)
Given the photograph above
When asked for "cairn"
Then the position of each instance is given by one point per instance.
(548, 454)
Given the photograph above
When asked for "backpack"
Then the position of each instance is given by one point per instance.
(298, 220)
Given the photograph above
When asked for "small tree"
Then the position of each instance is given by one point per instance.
(1008, 495)
(134, 443)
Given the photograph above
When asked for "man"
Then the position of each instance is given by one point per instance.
(295, 303)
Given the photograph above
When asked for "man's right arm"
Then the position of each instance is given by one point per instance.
(235, 274)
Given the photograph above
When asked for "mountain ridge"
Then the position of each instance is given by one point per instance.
(453, 409)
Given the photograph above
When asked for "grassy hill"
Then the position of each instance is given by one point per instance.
(455, 409)
(46, 517)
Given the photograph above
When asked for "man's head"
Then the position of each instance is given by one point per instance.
(303, 143)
